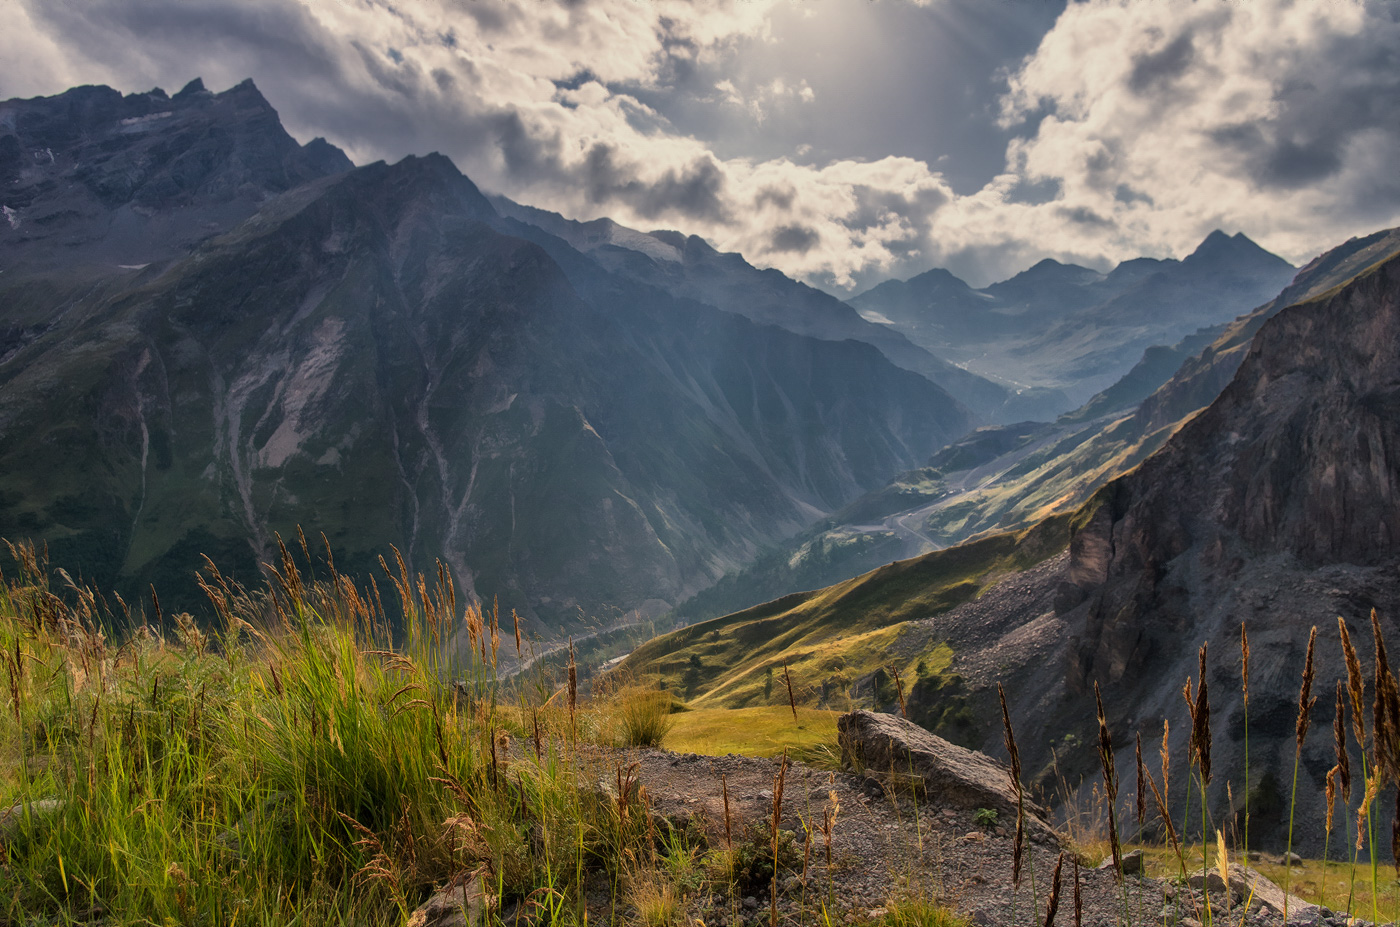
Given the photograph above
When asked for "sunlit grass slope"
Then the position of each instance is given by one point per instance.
(828, 638)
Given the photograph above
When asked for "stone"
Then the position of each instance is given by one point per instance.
(1247, 883)
(463, 902)
(877, 744)
(39, 811)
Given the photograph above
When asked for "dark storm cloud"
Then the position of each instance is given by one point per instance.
(794, 239)
(695, 192)
(1083, 215)
(1317, 116)
(1162, 66)
(773, 196)
(271, 30)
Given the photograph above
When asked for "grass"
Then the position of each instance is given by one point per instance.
(831, 637)
(306, 760)
(762, 731)
(301, 762)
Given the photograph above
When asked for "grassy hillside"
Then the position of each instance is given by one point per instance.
(830, 638)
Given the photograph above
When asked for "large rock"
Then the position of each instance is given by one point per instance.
(903, 753)
(461, 903)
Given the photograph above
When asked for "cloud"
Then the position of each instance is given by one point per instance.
(1134, 128)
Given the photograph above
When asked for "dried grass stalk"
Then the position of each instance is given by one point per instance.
(1053, 905)
(1200, 724)
(1244, 662)
(1356, 686)
(1110, 781)
(1018, 847)
(1141, 786)
(1339, 735)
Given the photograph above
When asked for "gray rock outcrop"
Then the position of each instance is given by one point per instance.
(902, 754)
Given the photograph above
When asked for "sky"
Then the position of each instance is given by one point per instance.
(843, 142)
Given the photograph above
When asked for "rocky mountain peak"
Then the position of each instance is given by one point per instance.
(1233, 253)
(164, 172)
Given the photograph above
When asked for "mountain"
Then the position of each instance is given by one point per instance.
(689, 268)
(1273, 506)
(285, 340)
(1007, 478)
(1067, 327)
(95, 176)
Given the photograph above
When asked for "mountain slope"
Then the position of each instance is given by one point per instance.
(368, 356)
(688, 268)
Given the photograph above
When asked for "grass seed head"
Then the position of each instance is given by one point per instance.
(1306, 700)
(1356, 686)
(1244, 662)
(1339, 734)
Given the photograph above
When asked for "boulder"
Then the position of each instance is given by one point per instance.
(461, 903)
(905, 756)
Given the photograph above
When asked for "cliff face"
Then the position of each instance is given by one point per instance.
(1274, 507)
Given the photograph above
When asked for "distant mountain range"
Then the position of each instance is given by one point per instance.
(1065, 327)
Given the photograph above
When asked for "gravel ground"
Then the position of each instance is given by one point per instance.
(886, 846)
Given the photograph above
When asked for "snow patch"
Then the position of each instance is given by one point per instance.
(11, 216)
(870, 315)
(308, 384)
(142, 123)
(654, 248)
(134, 266)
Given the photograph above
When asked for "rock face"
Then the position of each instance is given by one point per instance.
(902, 754)
(370, 354)
(462, 903)
(1275, 507)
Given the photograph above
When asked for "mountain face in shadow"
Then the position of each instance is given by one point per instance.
(688, 267)
(370, 354)
(1071, 328)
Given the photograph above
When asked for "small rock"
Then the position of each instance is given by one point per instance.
(792, 884)
(750, 903)
(1132, 862)
(1295, 859)
(765, 795)
(877, 913)
(13, 818)
(974, 836)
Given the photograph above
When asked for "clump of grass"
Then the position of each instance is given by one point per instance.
(916, 910)
(644, 717)
(655, 899)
